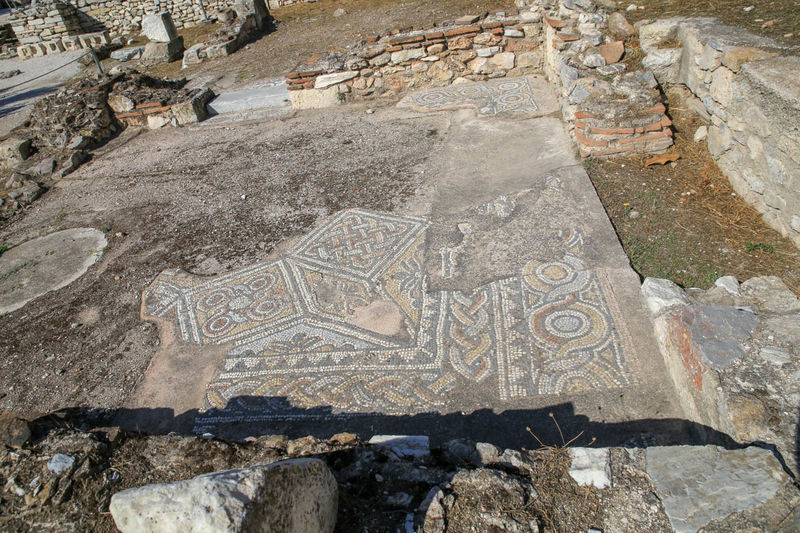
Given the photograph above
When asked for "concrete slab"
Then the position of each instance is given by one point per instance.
(46, 264)
(266, 93)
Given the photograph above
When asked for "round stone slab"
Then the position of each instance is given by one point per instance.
(45, 264)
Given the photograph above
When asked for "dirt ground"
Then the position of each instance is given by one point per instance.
(280, 51)
(778, 19)
(203, 201)
(683, 221)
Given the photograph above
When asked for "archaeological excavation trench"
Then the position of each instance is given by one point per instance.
(397, 247)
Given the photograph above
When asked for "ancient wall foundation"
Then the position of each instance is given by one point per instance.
(472, 48)
(747, 90)
(53, 26)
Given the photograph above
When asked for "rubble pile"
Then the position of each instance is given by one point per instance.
(612, 111)
(239, 26)
(85, 115)
(75, 118)
(153, 102)
(107, 479)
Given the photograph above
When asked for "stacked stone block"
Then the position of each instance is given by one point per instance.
(610, 111)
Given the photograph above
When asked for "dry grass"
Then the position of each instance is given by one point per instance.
(561, 504)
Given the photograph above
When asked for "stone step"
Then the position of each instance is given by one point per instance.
(268, 93)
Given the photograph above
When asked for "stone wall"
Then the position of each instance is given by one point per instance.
(471, 48)
(610, 111)
(746, 88)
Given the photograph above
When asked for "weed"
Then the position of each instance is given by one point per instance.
(759, 247)
(340, 96)
(4, 247)
(242, 75)
(60, 215)
(17, 269)
(105, 228)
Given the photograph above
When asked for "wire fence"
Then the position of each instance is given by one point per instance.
(4, 89)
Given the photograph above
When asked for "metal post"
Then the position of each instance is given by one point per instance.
(96, 61)
(203, 10)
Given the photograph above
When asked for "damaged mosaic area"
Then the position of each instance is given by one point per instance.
(494, 97)
(344, 321)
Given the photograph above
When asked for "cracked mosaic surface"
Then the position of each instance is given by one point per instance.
(313, 329)
(511, 95)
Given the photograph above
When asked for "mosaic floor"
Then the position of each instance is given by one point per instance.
(344, 320)
(494, 97)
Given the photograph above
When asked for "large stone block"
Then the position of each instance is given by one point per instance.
(315, 98)
(335, 78)
(158, 52)
(14, 151)
(159, 28)
(257, 8)
(294, 496)
(407, 55)
(194, 110)
(698, 484)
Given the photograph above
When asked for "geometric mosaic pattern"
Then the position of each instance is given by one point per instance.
(513, 95)
(553, 328)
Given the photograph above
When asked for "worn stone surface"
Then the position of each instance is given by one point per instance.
(127, 54)
(700, 484)
(267, 93)
(48, 263)
(403, 446)
(297, 495)
(315, 98)
(15, 432)
(590, 466)
(719, 332)
(661, 294)
(612, 52)
(327, 80)
(193, 110)
(14, 151)
(257, 8)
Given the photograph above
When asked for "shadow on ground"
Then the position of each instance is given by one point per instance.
(9, 104)
(247, 416)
